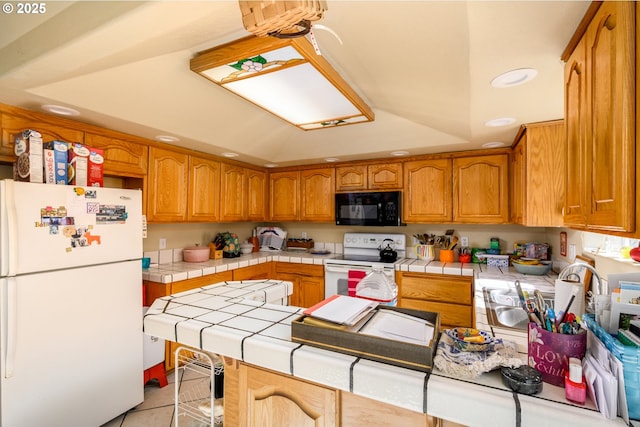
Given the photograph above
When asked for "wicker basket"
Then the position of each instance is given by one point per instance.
(264, 17)
(300, 243)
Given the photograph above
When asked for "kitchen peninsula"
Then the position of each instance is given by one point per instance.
(231, 319)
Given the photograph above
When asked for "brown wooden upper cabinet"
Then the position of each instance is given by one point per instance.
(363, 177)
(305, 195)
(428, 191)
(256, 194)
(243, 194)
(233, 188)
(168, 185)
(538, 172)
(480, 189)
(203, 195)
(600, 94)
(121, 157)
(317, 195)
(16, 120)
(183, 187)
(460, 190)
(284, 194)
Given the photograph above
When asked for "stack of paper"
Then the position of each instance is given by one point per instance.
(341, 309)
(605, 380)
(400, 327)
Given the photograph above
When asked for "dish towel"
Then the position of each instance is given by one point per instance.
(472, 364)
(354, 276)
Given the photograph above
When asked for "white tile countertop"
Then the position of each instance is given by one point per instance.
(176, 270)
(233, 319)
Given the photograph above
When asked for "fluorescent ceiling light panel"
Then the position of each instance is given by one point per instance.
(285, 77)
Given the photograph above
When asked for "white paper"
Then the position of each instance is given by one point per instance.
(591, 377)
(400, 327)
(342, 309)
(617, 369)
(606, 388)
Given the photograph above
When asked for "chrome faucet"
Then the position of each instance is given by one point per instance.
(600, 290)
(568, 270)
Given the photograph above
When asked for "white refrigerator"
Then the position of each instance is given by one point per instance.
(70, 304)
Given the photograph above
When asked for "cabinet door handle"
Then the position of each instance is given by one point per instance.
(610, 22)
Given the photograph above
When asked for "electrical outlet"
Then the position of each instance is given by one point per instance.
(304, 235)
(162, 244)
(464, 241)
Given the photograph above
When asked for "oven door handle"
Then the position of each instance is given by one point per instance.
(345, 268)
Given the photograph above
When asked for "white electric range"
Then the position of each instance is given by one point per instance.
(361, 252)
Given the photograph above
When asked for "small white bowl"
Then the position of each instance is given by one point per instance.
(246, 248)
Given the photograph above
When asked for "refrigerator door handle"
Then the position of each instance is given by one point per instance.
(11, 326)
(10, 249)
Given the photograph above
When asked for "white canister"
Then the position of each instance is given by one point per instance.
(565, 289)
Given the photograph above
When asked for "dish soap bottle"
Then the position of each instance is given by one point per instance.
(377, 286)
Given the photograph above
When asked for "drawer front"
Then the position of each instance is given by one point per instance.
(198, 282)
(301, 269)
(253, 272)
(452, 289)
(450, 314)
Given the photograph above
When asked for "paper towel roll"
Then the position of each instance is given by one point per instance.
(564, 290)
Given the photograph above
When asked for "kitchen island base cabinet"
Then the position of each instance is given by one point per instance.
(255, 397)
(272, 400)
(153, 290)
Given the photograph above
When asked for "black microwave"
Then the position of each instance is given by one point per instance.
(369, 208)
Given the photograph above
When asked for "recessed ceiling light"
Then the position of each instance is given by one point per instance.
(514, 77)
(230, 154)
(399, 153)
(503, 121)
(493, 144)
(59, 109)
(270, 165)
(167, 138)
(331, 159)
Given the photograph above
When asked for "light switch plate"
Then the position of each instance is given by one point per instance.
(572, 251)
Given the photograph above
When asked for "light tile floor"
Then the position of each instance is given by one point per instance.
(158, 409)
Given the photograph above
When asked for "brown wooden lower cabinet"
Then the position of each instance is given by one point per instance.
(451, 296)
(256, 397)
(308, 282)
(254, 272)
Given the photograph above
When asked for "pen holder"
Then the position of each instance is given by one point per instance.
(549, 352)
(446, 255)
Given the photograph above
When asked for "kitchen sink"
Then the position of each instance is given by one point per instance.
(513, 317)
(504, 310)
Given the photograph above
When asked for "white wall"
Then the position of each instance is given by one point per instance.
(604, 249)
(180, 235)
